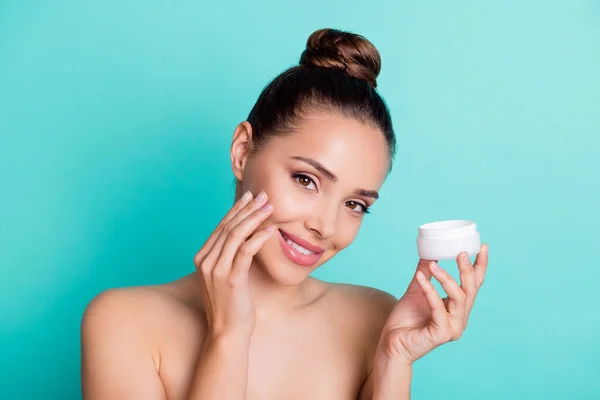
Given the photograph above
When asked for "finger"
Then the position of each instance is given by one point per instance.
(481, 262)
(214, 252)
(439, 315)
(456, 297)
(208, 244)
(467, 274)
(467, 281)
(423, 267)
(250, 208)
(247, 251)
(237, 237)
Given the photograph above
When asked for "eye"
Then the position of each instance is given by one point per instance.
(354, 205)
(304, 181)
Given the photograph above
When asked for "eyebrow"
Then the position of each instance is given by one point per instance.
(331, 176)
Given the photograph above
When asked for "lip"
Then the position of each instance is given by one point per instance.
(305, 260)
(303, 243)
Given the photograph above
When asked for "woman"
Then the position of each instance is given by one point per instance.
(250, 322)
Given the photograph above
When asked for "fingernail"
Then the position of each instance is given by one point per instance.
(267, 207)
(247, 196)
(465, 256)
(261, 197)
(270, 229)
(436, 267)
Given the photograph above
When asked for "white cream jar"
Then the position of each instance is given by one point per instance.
(445, 240)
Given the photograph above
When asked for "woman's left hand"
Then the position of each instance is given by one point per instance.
(421, 321)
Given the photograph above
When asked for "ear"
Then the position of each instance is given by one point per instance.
(242, 138)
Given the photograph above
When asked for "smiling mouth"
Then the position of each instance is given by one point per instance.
(306, 248)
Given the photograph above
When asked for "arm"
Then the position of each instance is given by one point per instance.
(421, 321)
(389, 379)
(116, 360)
(117, 364)
(222, 370)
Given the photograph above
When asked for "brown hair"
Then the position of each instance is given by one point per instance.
(337, 72)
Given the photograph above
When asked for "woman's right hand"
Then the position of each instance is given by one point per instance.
(223, 264)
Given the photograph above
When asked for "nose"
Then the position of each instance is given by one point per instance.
(322, 220)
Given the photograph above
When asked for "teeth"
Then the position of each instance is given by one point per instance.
(297, 246)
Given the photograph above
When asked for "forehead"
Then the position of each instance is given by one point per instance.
(354, 151)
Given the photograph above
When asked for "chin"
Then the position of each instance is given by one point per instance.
(281, 270)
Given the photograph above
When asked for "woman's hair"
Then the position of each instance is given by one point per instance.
(337, 73)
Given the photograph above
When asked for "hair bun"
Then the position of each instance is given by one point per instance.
(346, 51)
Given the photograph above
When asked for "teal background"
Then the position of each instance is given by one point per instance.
(115, 124)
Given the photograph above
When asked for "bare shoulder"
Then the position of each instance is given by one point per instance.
(139, 308)
(118, 316)
(118, 302)
(164, 295)
(361, 311)
(367, 302)
(122, 334)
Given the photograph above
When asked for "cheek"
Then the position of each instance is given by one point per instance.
(289, 203)
(347, 233)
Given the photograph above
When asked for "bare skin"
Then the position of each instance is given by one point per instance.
(322, 350)
(250, 323)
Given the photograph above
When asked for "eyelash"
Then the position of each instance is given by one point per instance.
(365, 209)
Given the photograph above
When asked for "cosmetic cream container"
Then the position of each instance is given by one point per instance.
(445, 240)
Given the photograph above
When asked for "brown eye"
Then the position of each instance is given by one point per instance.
(354, 204)
(304, 181)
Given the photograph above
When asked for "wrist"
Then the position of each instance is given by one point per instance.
(228, 339)
(385, 362)
(390, 352)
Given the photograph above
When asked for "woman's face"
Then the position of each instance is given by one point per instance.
(321, 180)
